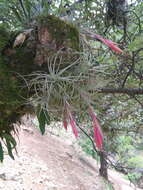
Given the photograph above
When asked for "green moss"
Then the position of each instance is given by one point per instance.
(10, 97)
(61, 31)
(4, 37)
(23, 61)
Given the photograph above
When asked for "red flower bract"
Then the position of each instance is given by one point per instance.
(71, 119)
(74, 129)
(98, 136)
(109, 43)
(65, 124)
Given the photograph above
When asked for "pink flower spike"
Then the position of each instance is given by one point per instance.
(71, 118)
(74, 129)
(113, 46)
(65, 124)
(92, 114)
(98, 137)
(109, 43)
(65, 117)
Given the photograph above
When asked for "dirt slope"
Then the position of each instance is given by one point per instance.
(51, 163)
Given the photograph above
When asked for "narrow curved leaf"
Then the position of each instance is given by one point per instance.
(9, 148)
(1, 153)
(43, 118)
(10, 139)
(42, 121)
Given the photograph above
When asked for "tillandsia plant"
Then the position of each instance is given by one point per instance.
(62, 91)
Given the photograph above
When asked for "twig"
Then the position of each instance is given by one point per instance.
(89, 139)
(23, 8)
(130, 69)
(129, 91)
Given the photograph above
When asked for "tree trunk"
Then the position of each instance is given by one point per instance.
(103, 164)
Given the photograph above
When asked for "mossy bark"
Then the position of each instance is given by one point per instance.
(49, 36)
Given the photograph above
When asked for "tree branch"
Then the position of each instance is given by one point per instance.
(23, 8)
(129, 91)
(89, 139)
(130, 69)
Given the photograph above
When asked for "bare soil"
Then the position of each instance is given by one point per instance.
(50, 162)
